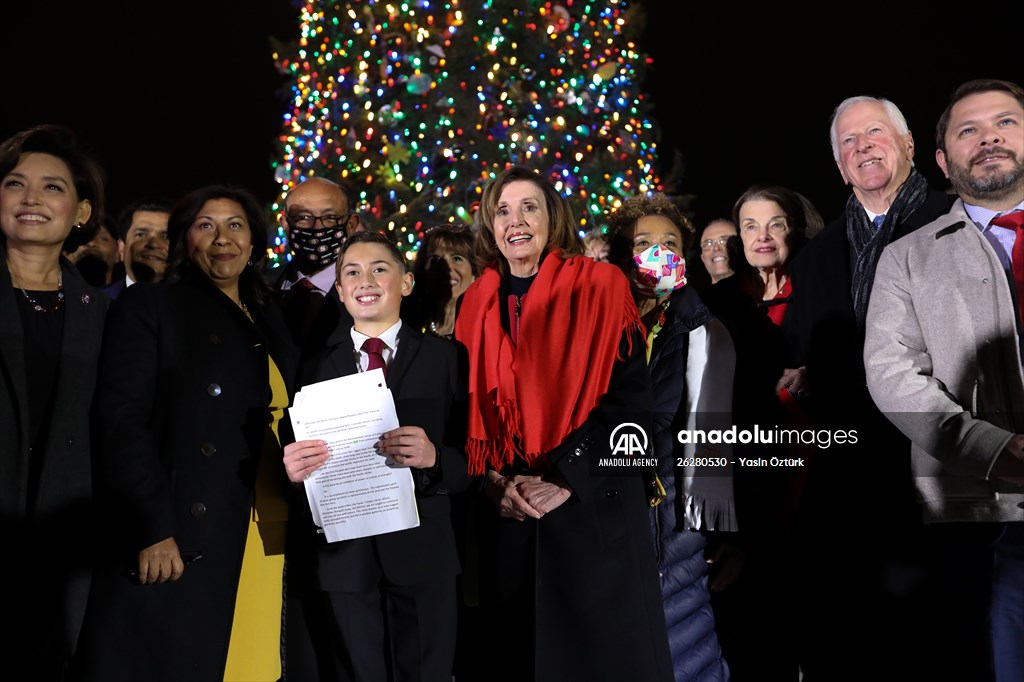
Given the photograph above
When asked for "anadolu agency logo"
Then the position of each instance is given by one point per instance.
(628, 444)
(629, 440)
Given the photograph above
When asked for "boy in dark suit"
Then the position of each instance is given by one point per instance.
(392, 597)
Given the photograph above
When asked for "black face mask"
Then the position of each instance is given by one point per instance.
(317, 246)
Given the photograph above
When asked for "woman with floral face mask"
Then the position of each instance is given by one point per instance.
(691, 361)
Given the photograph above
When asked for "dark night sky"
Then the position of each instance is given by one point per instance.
(172, 96)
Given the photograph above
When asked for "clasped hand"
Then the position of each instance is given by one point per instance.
(520, 496)
(793, 380)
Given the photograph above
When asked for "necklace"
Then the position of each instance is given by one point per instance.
(436, 330)
(245, 309)
(36, 305)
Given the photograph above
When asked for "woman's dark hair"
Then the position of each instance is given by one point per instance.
(563, 230)
(457, 238)
(622, 222)
(252, 286)
(792, 204)
(59, 141)
(432, 291)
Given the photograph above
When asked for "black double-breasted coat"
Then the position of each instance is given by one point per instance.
(183, 416)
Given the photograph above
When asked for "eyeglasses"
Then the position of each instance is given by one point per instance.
(709, 244)
(306, 221)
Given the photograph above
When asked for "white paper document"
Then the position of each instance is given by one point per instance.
(357, 492)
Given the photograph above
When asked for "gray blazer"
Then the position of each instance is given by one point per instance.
(943, 363)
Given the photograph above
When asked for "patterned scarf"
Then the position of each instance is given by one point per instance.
(866, 243)
(525, 398)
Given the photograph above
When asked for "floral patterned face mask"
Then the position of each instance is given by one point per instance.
(658, 272)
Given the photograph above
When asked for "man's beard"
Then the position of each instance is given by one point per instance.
(991, 185)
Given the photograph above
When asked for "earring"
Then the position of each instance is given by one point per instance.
(249, 262)
(77, 226)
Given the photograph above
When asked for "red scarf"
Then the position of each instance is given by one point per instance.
(526, 398)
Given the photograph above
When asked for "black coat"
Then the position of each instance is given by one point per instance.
(589, 567)
(824, 336)
(46, 530)
(183, 414)
(820, 321)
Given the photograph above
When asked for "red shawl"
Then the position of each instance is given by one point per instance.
(526, 399)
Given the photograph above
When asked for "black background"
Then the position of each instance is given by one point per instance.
(173, 96)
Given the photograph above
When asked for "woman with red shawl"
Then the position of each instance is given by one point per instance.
(568, 580)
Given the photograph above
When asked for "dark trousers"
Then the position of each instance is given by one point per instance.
(867, 591)
(397, 633)
(307, 624)
(754, 622)
(983, 571)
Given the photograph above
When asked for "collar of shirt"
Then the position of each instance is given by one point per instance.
(872, 216)
(389, 337)
(983, 216)
(128, 281)
(323, 280)
(1000, 238)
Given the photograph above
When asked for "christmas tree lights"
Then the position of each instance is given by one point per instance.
(419, 104)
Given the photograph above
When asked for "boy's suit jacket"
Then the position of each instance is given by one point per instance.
(429, 392)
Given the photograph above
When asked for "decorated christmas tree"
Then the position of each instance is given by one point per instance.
(418, 104)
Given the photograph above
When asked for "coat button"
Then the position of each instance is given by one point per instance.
(213, 390)
(214, 339)
(70, 442)
(611, 492)
(198, 509)
(208, 449)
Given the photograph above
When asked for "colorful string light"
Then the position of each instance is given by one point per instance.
(419, 104)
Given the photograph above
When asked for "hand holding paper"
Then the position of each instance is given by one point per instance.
(353, 492)
(408, 446)
(303, 457)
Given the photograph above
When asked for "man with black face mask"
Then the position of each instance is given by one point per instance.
(317, 216)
